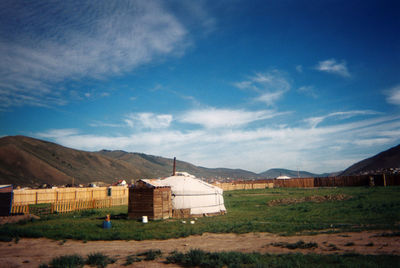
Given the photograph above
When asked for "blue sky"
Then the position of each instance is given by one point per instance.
(313, 85)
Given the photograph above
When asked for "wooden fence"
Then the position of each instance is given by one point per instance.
(63, 200)
(342, 181)
(69, 206)
(228, 186)
(43, 196)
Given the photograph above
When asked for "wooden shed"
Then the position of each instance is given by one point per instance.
(151, 199)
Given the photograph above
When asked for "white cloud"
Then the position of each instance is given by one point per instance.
(314, 121)
(393, 95)
(270, 86)
(58, 133)
(148, 120)
(217, 118)
(85, 40)
(299, 68)
(331, 66)
(103, 124)
(373, 141)
(270, 98)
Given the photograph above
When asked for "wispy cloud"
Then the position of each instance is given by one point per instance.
(85, 40)
(331, 66)
(308, 90)
(217, 118)
(393, 95)
(270, 86)
(104, 124)
(58, 133)
(148, 120)
(315, 121)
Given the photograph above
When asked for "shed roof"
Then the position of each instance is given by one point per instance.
(155, 183)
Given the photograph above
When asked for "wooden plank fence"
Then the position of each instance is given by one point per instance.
(43, 196)
(342, 181)
(70, 206)
(63, 200)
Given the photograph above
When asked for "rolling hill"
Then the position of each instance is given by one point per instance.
(384, 160)
(27, 161)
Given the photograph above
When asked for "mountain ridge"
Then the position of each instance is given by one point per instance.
(27, 161)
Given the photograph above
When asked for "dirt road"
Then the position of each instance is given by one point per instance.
(33, 252)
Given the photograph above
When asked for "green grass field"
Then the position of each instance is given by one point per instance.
(375, 208)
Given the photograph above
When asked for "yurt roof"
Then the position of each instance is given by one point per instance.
(184, 183)
(155, 183)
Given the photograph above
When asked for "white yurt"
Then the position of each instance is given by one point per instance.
(194, 196)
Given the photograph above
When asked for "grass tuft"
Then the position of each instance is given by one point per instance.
(131, 259)
(67, 261)
(99, 260)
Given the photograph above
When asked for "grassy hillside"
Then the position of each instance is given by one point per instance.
(27, 161)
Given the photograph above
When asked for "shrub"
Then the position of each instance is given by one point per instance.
(99, 259)
(67, 261)
(152, 255)
(195, 257)
(131, 259)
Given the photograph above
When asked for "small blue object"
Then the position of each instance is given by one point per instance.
(106, 224)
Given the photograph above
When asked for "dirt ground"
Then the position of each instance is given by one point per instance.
(33, 252)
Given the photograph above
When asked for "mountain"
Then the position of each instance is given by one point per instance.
(275, 172)
(156, 166)
(27, 161)
(382, 161)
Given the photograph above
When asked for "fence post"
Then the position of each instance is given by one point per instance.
(384, 180)
(36, 198)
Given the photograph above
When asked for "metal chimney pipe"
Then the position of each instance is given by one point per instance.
(174, 168)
